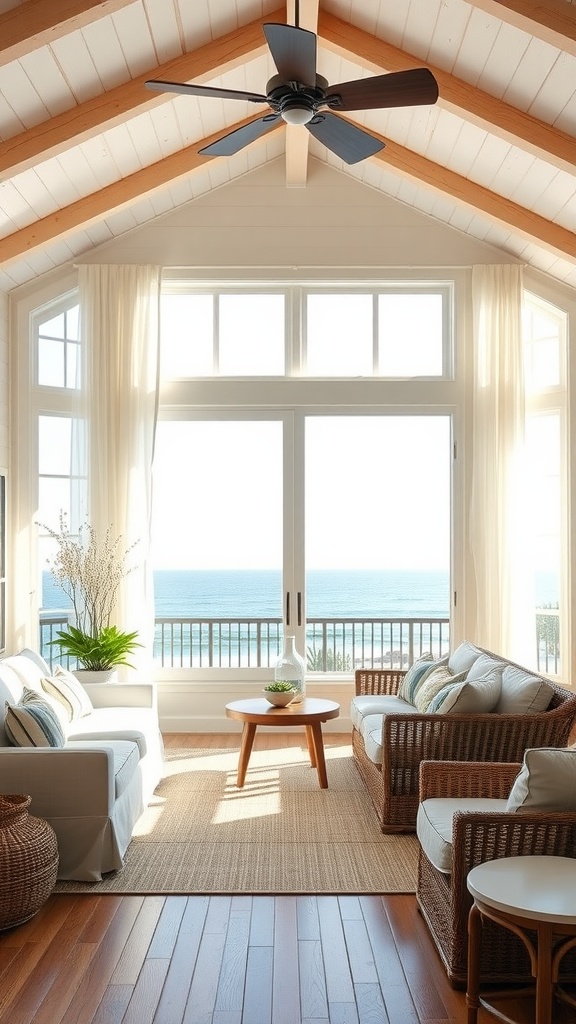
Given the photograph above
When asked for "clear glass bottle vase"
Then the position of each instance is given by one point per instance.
(291, 668)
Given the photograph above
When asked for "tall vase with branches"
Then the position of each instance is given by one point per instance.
(89, 569)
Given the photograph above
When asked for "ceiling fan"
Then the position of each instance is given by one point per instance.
(298, 95)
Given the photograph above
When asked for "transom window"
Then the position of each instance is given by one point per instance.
(393, 331)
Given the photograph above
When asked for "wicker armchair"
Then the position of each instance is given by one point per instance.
(409, 739)
(479, 836)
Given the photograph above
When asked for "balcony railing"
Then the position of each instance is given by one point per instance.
(332, 645)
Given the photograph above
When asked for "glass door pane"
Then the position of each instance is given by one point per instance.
(217, 543)
(377, 527)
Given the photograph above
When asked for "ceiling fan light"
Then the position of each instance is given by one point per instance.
(294, 113)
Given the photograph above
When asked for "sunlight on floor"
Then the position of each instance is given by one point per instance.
(260, 796)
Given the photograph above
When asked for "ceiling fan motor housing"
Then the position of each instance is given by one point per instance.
(295, 102)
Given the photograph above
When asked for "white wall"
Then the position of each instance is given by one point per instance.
(333, 222)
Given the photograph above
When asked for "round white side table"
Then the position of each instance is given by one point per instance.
(536, 894)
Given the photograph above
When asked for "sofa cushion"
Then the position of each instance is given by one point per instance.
(433, 683)
(462, 659)
(371, 730)
(33, 723)
(415, 676)
(434, 825)
(26, 670)
(485, 663)
(546, 781)
(523, 693)
(471, 696)
(385, 704)
(112, 723)
(64, 687)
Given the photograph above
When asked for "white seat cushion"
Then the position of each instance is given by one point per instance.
(434, 825)
(386, 704)
(114, 724)
(371, 731)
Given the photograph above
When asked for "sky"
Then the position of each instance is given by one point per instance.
(377, 493)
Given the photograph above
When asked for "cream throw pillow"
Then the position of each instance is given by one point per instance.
(472, 696)
(64, 687)
(546, 781)
(433, 683)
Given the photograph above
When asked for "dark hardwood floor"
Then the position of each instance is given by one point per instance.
(229, 960)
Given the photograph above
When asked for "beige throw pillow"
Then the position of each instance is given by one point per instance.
(470, 697)
(546, 781)
(434, 682)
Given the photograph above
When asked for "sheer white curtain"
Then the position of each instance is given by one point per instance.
(120, 333)
(498, 515)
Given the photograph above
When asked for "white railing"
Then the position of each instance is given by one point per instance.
(332, 645)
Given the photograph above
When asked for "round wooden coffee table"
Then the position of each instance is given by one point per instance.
(310, 713)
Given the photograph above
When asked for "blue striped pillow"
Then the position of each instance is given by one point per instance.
(416, 675)
(33, 724)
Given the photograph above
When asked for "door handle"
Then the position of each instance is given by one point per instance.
(299, 607)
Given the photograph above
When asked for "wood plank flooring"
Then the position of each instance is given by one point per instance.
(87, 959)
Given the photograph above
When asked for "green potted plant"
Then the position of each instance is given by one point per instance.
(280, 693)
(90, 570)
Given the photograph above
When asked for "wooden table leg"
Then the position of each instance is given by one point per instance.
(473, 982)
(544, 975)
(318, 742)
(310, 742)
(248, 733)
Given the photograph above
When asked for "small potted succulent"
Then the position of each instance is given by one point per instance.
(279, 693)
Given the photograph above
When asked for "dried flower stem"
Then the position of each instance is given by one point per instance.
(90, 572)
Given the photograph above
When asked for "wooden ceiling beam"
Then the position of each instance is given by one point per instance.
(40, 22)
(466, 101)
(108, 200)
(102, 112)
(517, 219)
(553, 21)
(143, 183)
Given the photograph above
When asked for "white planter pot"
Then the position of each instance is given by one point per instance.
(84, 675)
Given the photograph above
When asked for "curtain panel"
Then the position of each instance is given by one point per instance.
(120, 311)
(498, 517)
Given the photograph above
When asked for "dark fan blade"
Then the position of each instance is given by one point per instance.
(350, 143)
(400, 89)
(236, 140)
(204, 90)
(294, 53)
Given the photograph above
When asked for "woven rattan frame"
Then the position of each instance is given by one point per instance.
(408, 740)
(477, 837)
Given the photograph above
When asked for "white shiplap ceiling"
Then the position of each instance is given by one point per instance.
(87, 152)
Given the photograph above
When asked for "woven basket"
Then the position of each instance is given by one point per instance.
(28, 861)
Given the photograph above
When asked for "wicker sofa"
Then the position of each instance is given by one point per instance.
(390, 737)
(473, 797)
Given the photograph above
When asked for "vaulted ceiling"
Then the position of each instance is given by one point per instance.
(88, 153)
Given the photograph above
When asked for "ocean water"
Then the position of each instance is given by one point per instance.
(335, 594)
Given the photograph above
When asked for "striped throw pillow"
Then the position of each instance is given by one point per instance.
(416, 675)
(66, 688)
(33, 724)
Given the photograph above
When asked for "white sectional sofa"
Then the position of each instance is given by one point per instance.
(96, 779)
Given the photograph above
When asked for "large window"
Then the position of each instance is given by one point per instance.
(258, 527)
(301, 426)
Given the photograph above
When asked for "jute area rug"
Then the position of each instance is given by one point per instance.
(280, 834)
